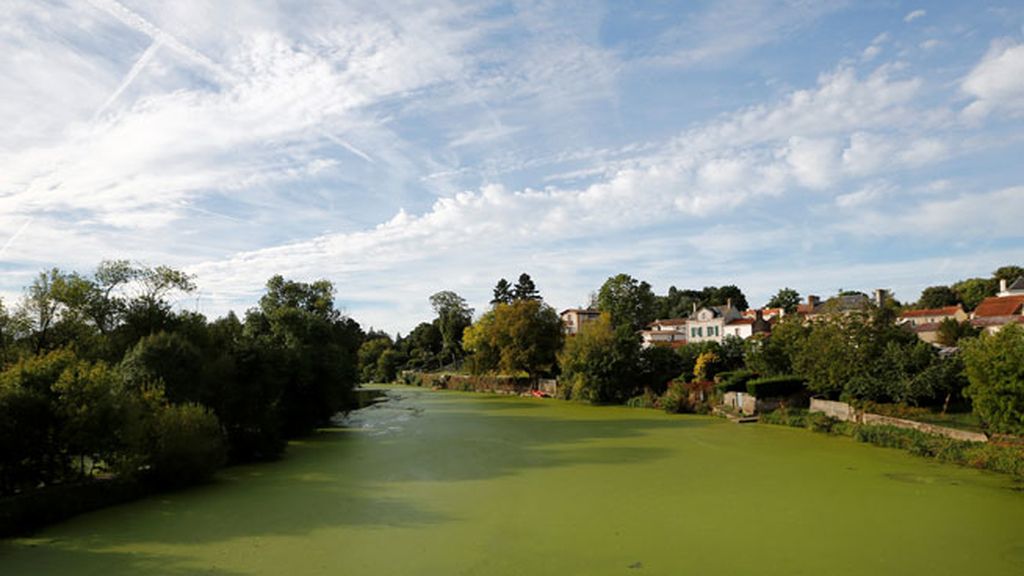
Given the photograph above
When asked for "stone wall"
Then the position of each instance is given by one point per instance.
(845, 412)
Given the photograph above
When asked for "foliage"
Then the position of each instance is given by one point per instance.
(656, 367)
(776, 386)
(795, 417)
(502, 293)
(599, 363)
(973, 290)
(167, 357)
(525, 289)
(629, 301)
(1007, 459)
(951, 331)
(187, 444)
(453, 317)
(369, 356)
(523, 336)
(937, 297)
(994, 364)
(786, 298)
(676, 399)
(708, 364)
(734, 380)
(773, 355)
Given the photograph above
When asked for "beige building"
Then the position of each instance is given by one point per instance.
(925, 323)
(574, 318)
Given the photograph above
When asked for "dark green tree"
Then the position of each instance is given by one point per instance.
(525, 289)
(995, 367)
(786, 298)
(502, 293)
(937, 297)
(453, 317)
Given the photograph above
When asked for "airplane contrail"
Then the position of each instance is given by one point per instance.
(14, 237)
(130, 77)
(140, 24)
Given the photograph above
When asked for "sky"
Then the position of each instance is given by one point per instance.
(402, 148)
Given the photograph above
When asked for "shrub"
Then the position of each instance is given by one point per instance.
(776, 386)
(819, 422)
(795, 417)
(676, 399)
(646, 400)
(734, 380)
(187, 444)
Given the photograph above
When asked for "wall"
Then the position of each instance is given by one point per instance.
(845, 412)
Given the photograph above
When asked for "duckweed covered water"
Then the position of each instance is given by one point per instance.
(448, 483)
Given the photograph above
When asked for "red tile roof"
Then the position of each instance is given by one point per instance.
(996, 321)
(945, 311)
(999, 306)
(740, 321)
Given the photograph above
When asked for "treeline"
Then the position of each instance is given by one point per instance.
(102, 377)
(858, 356)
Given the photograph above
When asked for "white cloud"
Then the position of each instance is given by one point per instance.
(911, 16)
(997, 82)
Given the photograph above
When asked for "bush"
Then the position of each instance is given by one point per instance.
(776, 386)
(676, 399)
(1007, 459)
(819, 422)
(734, 380)
(995, 368)
(646, 400)
(187, 445)
(794, 417)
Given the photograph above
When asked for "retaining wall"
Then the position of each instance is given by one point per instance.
(847, 413)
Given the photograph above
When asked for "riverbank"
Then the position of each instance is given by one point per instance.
(459, 483)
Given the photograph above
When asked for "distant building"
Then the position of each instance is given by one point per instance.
(925, 323)
(574, 318)
(842, 304)
(670, 332)
(1005, 308)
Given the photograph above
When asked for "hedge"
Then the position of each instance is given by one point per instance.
(776, 386)
(734, 380)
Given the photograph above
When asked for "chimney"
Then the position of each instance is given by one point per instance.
(812, 300)
(1002, 286)
(880, 294)
(694, 307)
(728, 302)
(758, 316)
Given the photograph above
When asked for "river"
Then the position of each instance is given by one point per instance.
(447, 483)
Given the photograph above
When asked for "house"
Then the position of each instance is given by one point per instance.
(766, 313)
(925, 323)
(709, 322)
(1004, 308)
(844, 303)
(670, 332)
(574, 318)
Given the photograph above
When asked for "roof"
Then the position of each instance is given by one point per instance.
(999, 306)
(747, 321)
(944, 311)
(580, 311)
(752, 312)
(926, 327)
(669, 322)
(996, 321)
(1017, 284)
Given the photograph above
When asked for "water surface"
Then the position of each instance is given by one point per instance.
(448, 483)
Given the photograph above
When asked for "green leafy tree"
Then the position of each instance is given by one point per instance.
(453, 317)
(995, 368)
(187, 444)
(369, 356)
(522, 337)
(169, 358)
(973, 290)
(786, 298)
(600, 363)
(722, 295)
(951, 331)
(1008, 273)
(937, 297)
(629, 301)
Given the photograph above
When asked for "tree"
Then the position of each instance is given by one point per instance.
(522, 337)
(772, 355)
(502, 293)
(168, 358)
(628, 301)
(785, 298)
(677, 303)
(600, 363)
(973, 290)
(369, 356)
(951, 331)
(995, 368)
(453, 317)
(937, 297)
(525, 289)
(1008, 273)
(722, 295)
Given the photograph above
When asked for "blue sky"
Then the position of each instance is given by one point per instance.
(405, 148)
